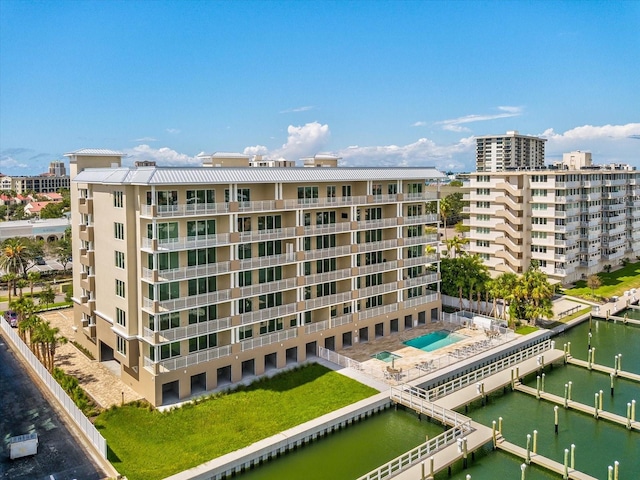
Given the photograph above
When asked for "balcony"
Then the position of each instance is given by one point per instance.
(272, 234)
(186, 243)
(327, 300)
(377, 268)
(327, 276)
(268, 339)
(268, 261)
(268, 287)
(375, 246)
(268, 313)
(186, 272)
(377, 311)
(327, 252)
(89, 329)
(423, 260)
(377, 289)
(378, 223)
(431, 218)
(183, 210)
(327, 324)
(421, 280)
(184, 303)
(422, 239)
(328, 228)
(188, 360)
(188, 331)
(414, 302)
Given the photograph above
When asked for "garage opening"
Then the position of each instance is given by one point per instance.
(347, 339)
(292, 355)
(224, 376)
(248, 368)
(170, 392)
(198, 383)
(330, 343)
(312, 349)
(270, 361)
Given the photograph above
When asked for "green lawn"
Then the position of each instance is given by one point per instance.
(147, 445)
(613, 283)
(526, 329)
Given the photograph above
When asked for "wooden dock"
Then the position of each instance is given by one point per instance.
(604, 369)
(580, 407)
(545, 462)
(617, 318)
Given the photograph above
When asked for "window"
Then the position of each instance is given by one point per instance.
(198, 286)
(483, 191)
(121, 345)
(415, 251)
(414, 188)
(483, 204)
(165, 321)
(326, 265)
(201, 197)
(483, 178)
(538, 178)
(483, 217)
(244, 251)
(118, 229)
(201, 228)
(245, 305)
(414, 292)
(535, 234)
(483, 230)
(373, 258)
(414, 210)
(372, 236)
(118, 199)
(325, 218)
(244, 278)
(346, 190)
(306, 243)
(538, 192)
(201, 256)
(374, 301)
(538, 220)
(203, 342)
(245, 332)
(269, 274)
(413, 272)
(121, 317)
(376, 189)
(203, 314)
(271, 326)
(307, 194)
(244, 224)
(538, 249)
(270, 300)
(120, 288)
(164, 231)
(169, 350)
(119, 259)
(168, 261)
(324, 289)
(482, 243)
(392, 188)
(538, 206)
(244, 195)
(414, 231)
(166, 198)
(269, 222)
(167, 291)
(331, 192)
(325, 241)
(272, 247)
(484, 256)
(371, 280)
(373, 213)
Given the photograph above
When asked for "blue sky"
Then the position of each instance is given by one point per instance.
(376, 82)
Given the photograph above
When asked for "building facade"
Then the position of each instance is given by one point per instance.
(497, 153)
(573, 219)
(194, 278)
(38, 184)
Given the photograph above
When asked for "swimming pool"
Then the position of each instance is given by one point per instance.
(386, 356)
(434, 340)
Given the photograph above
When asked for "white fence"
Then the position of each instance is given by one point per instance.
(83, 423)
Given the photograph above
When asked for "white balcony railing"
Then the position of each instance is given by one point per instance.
(327, 300)
(268, 339)
(268, 313)
(187, 243)
(268, 287)
(327, 324)
(194, 358)
(188, 272)
(413, 302)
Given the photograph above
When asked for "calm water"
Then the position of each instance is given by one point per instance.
(365, 446)
(434, 340)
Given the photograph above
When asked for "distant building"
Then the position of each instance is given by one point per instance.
(497, 153)
(57, 169)
(573, 219)
(48, 230)
(52, 181)
(321, 160)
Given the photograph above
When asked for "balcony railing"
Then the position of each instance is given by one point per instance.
(327, 324)
(190, 331)
(268, 287)
(187, 272)
(431, 218)
(374, 246)
(378, 267)
(378, 223)
(327, 252)
(421, 280)
(268, 313)
(377, 311)
(327, 276)
(187, 243)
(421, 239)
(194, 358)
(268, 261)
(184, 210)
(260, 235)
(193, 301)
(327, 228)
(414, 302)
(327, 300)
(268, 339)
(377, 289)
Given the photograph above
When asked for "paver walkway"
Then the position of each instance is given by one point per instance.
(97, 380)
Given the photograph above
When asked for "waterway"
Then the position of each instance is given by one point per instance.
(363, 447)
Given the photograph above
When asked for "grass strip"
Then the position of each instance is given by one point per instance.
(146, 444)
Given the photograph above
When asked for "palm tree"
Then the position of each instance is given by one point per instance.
(29, 324)
(10, 278)
(33, 277)
(445, 212)
(48, 338)
(24, 308)
(47, 296)
(456, 245)
(21, 283)
(15, 257)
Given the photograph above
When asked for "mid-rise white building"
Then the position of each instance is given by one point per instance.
(497, 153)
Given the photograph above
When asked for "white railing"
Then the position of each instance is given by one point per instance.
(193, 358)
(377, 289)
(327, 252)
(327, 300)
(327, 324)
(378, 267)
(378, 223)
(327, 228)
(413, 302)
(420, 219)
(268, 339)
(421, 280)
(381, 245)
(189, 331)
(268, 287)
(187, 243)
(187, 272)
(274, 233)
(84, 424)
(327, 276)
(410, 262)
(258, 205)
(421, 239)
(376, 311)
(183, 210)
(268, 261)
(268, 313)
(183, 303)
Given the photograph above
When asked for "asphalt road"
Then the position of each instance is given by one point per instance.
(24, 409)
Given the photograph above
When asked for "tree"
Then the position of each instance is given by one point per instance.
(10, 278)
(47, 296)
(461, 228)
(61, 250)
(33, 277)
(455, 274)
(24, 308)
(52, 210)
(455, 183)
(15, 257)
(532, 296)
(594, 282)
(455, 246)
(445, 211)
(47, 338)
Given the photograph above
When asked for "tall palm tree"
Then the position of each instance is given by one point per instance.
(445, 212)
(24, 308)
(456, 245)
(47, 338)
(9, 278)
(15, 257)
(33, 277)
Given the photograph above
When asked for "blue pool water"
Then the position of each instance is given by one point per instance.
(434, 340)
(386, 356)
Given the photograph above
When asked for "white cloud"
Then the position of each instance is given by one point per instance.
(423, 152)
(9, 162)
(173, 131)
(607, 143)
(146, 139)
(298, 109)
(454, 124)
(419, 124)
(303, 141)
(256, 150)
(162, 156)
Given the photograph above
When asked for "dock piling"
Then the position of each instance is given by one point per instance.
(611, 375)
(566, 395)
(500, 425)
(528, 458)
(616, 464)
(555, 412)
(535, 441)
(629, 416)
(570, 385)
(595, 413)
(523, 468)
(600, 400)
(565, 476)
(573, 457)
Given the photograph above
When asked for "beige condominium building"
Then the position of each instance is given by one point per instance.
(496, 153)
(573, 218)
(195, 278)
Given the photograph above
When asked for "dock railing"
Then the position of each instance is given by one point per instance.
(461, 426)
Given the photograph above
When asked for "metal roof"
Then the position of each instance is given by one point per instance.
(96, 152)
(204, 175)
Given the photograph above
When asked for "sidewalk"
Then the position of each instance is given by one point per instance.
(95, 378)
